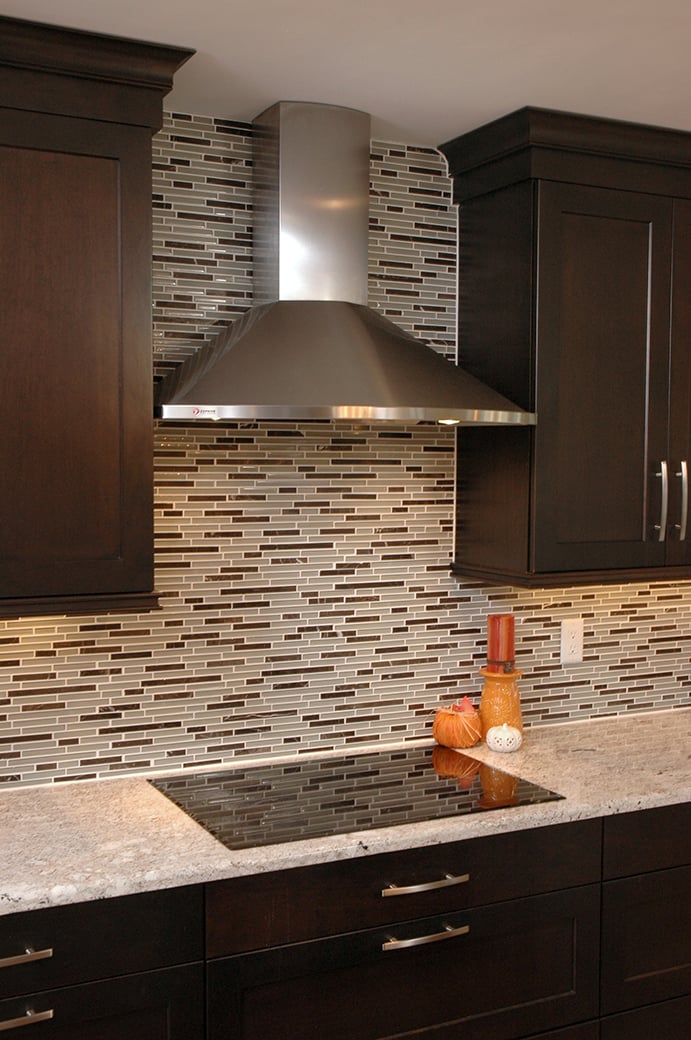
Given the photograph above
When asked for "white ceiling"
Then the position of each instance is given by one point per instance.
(426, 70)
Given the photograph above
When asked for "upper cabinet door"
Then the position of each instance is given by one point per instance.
(602, 370)
(75, 469)
(679, 530)
(77, 112)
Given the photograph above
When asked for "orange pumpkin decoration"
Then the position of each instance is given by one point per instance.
(458, 726)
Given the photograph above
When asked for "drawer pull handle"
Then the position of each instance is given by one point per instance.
(449, 933)
(26, 957)
(409, 890)
(28, 1019)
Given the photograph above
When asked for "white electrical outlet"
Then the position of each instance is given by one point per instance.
(572, 640)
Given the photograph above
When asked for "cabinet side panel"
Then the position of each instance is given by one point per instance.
(494, 290)
(495, 344)
(493, 475)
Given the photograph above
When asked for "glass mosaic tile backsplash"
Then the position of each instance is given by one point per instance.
(307, 602)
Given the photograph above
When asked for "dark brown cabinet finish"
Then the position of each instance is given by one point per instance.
(504, 971)
(646, 939)
(290, 906)
(646, 840)
(99, 939)
(154, 1005)
(668, 1021)
(646, 915)
(131, 966)
(583, 1031)
(505, 947)
(575, 268)
(76, 118)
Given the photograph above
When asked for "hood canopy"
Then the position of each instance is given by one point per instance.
(311, 348)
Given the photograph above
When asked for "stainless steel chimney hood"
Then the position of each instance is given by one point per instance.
(311, 348)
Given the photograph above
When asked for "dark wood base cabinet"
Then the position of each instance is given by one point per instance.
(498, 972)
(579, 931)
(114, 969)
(155, 1005)
(583, 1031)
(645, 957)
(574, 932)
(508, 947)
(646, 925)
(670, 1020)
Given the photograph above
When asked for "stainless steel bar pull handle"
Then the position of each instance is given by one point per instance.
(26, 957)
(449, 933)
(29, 1018)
(684, 474)
(428, 886)
(664, 501)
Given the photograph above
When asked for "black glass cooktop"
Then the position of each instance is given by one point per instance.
(290, 801)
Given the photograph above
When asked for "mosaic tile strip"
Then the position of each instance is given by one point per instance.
(412, 255)
(306, 596)
(202, 240)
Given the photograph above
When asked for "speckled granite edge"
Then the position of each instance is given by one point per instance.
(96, 839)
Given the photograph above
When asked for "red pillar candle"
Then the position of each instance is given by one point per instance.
(500, 642)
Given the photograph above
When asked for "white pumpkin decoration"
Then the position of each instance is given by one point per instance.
(503, 738)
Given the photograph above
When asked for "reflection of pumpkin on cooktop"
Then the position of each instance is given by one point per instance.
(450, 765)
(497, 788)
(458, 726)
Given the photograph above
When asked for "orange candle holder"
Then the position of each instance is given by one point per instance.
(500, 701)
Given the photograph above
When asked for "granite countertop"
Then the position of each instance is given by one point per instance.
(82, 840)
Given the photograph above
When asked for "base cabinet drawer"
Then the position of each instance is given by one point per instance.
(289, 906)
(650, 839)
(670, 1020)
(646, 939)
(498, 972)
(82, 942)
(155, 1005)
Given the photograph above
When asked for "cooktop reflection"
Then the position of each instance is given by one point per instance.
(291, 801)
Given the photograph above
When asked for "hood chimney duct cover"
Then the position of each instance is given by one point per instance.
(311, 348)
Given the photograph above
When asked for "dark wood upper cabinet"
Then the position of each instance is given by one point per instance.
(77, 114)
(575, 279)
